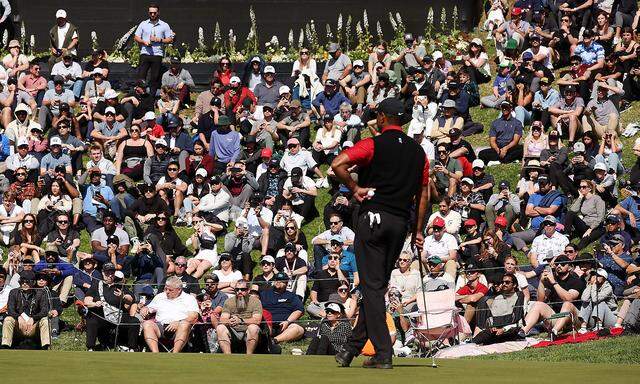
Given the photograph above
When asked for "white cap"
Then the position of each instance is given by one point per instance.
(55, 140)
(111, 94)
(61, 14)
(334, 307)
(415, 129)
(149, 116)
(347, 144)
(109, 109)
(234, 79)
(600, 166)
(255, 59)
(201, 172)
(477, 163)
(284, 89)
(268, 259)
(477, 41)
(242, 222)
(269, 69)
(358, 63)
(96, 71)
(161, 141)
(436, 55)
(468, 181)
(602, 272)
(119, 275)
(22, 141)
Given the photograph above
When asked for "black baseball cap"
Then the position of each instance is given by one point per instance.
(280, 276)
(225, 256)
(391, 107)
(504, 184)
(296, 172)
(562, 259)
(108, 267)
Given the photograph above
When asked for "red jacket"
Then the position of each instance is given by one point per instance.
(206, 163)
(235, 101)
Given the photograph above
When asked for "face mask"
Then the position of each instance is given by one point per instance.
(380, 51)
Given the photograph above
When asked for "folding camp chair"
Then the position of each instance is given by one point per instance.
(437, 323)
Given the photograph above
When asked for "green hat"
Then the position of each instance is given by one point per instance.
(435, 260)
(224, 120)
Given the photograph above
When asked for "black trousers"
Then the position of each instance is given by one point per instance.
(513, 154)
(129, 328)
(150, 66)
(574, 226)
(377, 248)
(321, 346)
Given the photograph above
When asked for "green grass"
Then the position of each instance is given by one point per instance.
(190, 368)
(617, 350)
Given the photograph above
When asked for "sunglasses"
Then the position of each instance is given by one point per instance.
(172, 169)
(109, 114)
(291, 146)
(437, 229)
(584, 187)
(265, 263)
(334, 222)
(304, 52)
(291, 228)
(507, 282)
(336, 244)
(181, 265)
(27, 220)
(165, 219)
(224, 63)
(63, 126)
(241, 289)
(403, 260)
(135, 130)
(194, 222)
(62, 221)
(21, 174)
(343, 290)
(334, 258)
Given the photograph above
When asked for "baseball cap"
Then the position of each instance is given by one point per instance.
(225, 256)
(290, 247)
(527, 55)
(505, 64)
(435, 260)
(467, 181)
(51, 249)
(569, 88)
(22, 141)
(175, 60)
(470, 223)
(296, 172)
(55, 140)
(108, 267)
(273, 163)
(201, 172)
(149, 116)
(268, 259)
(501, 221)
(268, 106)
(269, 69)
(613, 219)
(504, 184)
(161, 143)
(545, 80)
(358, 63)
(579, 147)
(215, 179)
(333, 47)
(337, 238)
(224, 120)
(616, 239)
(284, 89)
(293, 140)
(61, 14)
(242, 222)
(516, 11)
(437, 55)
(174, 121)
(14, 44)
(97, 71)
(296, 103)
(255, 59)
(455, 132)
(477, 41)
(453, 85)
(234, 79)
(549, 219)
(280, 276)
(335, 307)
(109, 110)
(266, 152)
(449, 104)
(438, 222)
(602, 272)
(543, 179)
(57, 79)
(562, 259)
(391, 107)
(477, 163)
(110, 94)
(505, 103)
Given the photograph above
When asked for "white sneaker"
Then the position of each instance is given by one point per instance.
(583, 330)
(325, 183)
(492, 163)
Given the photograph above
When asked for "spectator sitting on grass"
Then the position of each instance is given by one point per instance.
(599, 306)
(559, 291)
(175, 313)
(240, 320)
(327, 282)
(285, 308)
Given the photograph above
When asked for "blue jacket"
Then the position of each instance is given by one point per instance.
(5, 150)
(183, 141)
(67, 269)
(280, 305)
(81, 277)
(331, 104)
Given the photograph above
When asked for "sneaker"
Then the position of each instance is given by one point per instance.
(492, 163)
(325, 183)
(583, 330)
(319, 182)
(180, 222)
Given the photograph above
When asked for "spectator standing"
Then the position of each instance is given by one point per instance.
(152, 34)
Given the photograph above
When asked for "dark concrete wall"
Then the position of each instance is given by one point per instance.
(112, 18)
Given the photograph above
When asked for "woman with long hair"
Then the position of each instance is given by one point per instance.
(586, 214)
(200, 158)
(604, 32)
(591, 144)
(491, 257)
(535, 142)
(204, 242)
(334, 331)
(28, 238)
(610, 152)
(169, 240)
(511, 266)
(172, 188)
(227, 274)
(224, 72)
(476, 62)
(382, 89)
(304, 61)
(380, 54)
(55, 201)
(626, 48)
(132, 153)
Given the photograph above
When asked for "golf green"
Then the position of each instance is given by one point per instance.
(109, 367)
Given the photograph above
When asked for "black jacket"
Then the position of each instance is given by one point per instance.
(263, 183)
(32, 302)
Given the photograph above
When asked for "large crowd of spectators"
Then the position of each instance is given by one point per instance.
(244, 168)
